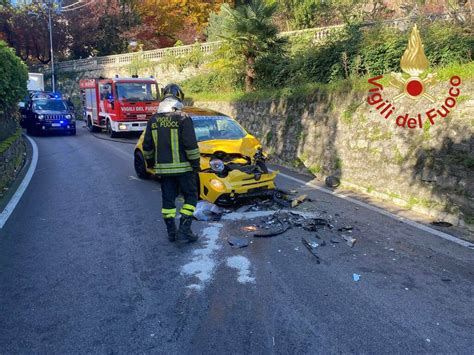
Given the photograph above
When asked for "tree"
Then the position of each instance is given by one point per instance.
(163, 22)
(251, 31)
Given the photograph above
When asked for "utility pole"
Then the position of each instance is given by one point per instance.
(50, 27)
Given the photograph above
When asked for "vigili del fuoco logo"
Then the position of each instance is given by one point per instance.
(415, 86)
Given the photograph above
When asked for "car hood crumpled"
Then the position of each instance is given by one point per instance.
(246, 146)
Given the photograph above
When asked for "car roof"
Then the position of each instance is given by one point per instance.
(197, 111)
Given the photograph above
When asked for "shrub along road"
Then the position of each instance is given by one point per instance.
(85, 267)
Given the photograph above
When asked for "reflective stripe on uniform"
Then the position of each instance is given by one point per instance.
(175, 145)
(187, 209)
(155, 140)
(168, 212)
(192, 154)
(173, 170)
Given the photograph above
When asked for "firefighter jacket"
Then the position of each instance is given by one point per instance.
(171, 143)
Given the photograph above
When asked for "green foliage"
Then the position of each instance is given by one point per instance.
(14, 75)
(138, 64)
(216, 25)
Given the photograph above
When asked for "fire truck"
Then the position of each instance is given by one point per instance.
(118, 104)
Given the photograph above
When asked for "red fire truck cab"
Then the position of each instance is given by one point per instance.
(118, 104)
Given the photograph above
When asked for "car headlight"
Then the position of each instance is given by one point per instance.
(217, 184)
(217, 165)
(68, 117)
(40, 117)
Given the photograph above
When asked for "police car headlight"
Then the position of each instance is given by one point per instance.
(40, 117)
(217, 165)
(68, 117)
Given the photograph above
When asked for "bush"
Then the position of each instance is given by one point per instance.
(14, 75)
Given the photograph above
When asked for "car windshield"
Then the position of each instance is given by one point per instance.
(49, 105)
(217, 127)
(137, 91)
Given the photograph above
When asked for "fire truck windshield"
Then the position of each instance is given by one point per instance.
(137, 91)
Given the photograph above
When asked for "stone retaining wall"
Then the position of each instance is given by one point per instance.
(430, 170)
(12, 154)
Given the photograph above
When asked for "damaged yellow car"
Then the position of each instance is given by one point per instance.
(232, 161)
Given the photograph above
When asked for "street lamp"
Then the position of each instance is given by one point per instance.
(50, 28)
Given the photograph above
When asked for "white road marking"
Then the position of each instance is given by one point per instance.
(242, 265)
(383, 212)
(21, 189)
(203, 264)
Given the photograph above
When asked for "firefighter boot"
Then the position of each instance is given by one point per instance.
(185, 231)
(171, 228)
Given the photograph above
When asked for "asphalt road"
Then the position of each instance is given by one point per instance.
(85, 267)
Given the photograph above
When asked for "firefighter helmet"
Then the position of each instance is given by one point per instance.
(173, 90)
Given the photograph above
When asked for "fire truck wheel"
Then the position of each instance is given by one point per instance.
(90, 126)
(140, 165)
(110, 131)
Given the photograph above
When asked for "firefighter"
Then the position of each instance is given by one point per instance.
(170, 146)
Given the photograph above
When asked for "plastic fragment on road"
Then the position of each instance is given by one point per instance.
(355, 277)
(206, 211)
(310, 246)
(441, 224)
(332, 181)
(299, 200)
(237, 242)
(350, 241)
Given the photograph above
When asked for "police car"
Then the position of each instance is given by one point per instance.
(47, 112)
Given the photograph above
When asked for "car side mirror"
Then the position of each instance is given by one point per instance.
(21, 105)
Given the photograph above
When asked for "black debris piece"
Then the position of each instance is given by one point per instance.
(346, 229)
(334, 241)
(446, 280)
(441, 224)
(237, 242)
(332, 181)
(311, 246)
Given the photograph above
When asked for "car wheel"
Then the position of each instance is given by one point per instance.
(90, 126)
(140, 165)
(110, 131)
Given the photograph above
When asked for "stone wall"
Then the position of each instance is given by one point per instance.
(12, 153)
(337, 133)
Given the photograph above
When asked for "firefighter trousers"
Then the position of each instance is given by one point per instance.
(171, 186)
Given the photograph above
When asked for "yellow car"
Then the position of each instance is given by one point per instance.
(232, 162)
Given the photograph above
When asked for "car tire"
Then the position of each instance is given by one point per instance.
(90, 126)
(140, 165)
(111, 133)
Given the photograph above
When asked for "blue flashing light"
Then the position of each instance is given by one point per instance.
(61, 122)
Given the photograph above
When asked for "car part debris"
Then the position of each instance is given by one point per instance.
(299, 200)
(441, 224)
(271, 233)
(206, 211)
(333, 241)
(237, 242)
(346, 229)
(349, 240)
(244, 208)
(312, 249)
(332, 181)
(355, 277)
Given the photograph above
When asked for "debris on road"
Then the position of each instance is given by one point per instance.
(311, 246)
(355, 277)
(441, 224)
(206, 211)
(346, 229)
(237, 242)
(349, 240)
(332, 181)
(299, 200)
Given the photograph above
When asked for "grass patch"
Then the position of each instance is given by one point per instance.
(5, 144)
